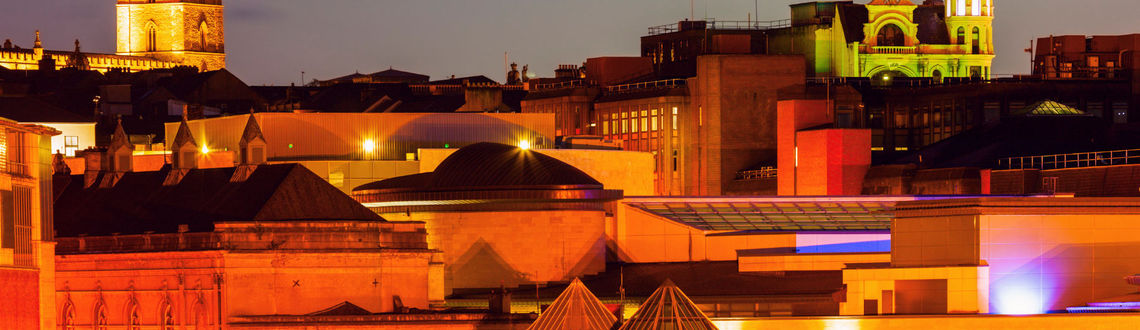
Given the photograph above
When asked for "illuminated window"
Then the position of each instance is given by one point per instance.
(644, 122)
(976, 7)
(624, 126)
(605, 128)
(674, 118)
(977, 40)
(654, 123)
(891, 35)
(633, 124)
(961, 8)
(70, 145)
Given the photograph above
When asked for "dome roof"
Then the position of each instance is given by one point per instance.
(492, 166)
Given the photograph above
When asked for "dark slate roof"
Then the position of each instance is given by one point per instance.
(462, 80)
(392, 73)
(697, 279)
(342, 309)
(853, 17)
(931, 22)
(139, 202)
(34, 110)
(487, 164)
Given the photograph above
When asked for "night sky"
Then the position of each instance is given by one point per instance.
(272, 41)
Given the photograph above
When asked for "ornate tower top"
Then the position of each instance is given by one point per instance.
(38, 43)
(965, 8)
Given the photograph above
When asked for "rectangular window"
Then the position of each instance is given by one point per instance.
(633, 125)
(17, 154)
(70, 145)
(674, 118)
(8, 219)
(605, 128)
(624, 126)
(23, 225)
(654, 123)
(644, 126)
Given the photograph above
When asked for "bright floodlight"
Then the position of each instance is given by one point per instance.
(524, 144)
(369, 146)
(205, 149)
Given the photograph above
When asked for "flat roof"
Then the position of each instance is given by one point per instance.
(778, 214)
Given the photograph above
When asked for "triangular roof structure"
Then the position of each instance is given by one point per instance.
(575, 308)
(120, 139)
(341, 309)
(184, 136)
(668, 308)
(252, 131)
(1049, 108)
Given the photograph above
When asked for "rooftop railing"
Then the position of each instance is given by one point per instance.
(767, 172)
(1073, 160)
(720, 25)
(668, 83)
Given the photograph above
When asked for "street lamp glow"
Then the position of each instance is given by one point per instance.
(205, 149)
(369, 145)
(524, 144)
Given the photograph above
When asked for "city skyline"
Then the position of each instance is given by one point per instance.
(262, 35)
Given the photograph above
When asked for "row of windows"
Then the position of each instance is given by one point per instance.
(636, 121)
(152, 37)
(133, 318)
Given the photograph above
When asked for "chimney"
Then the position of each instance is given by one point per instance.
(94, 165)
(500, 301)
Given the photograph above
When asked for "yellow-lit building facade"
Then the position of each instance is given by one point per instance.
(150, 34)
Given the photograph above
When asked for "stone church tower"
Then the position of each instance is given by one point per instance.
(189, 32)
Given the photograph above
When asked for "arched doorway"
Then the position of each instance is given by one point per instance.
(887, 77)
(891, 35)
(937, 75)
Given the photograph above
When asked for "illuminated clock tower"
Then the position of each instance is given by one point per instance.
(189, 32)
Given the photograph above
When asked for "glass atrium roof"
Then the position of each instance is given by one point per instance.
(776, 213)
(1050, 108)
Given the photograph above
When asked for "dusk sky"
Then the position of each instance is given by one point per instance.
(272, 41)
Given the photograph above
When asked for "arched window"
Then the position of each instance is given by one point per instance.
(99, 319)
(134, 317)
(961, 35)
(891, 35)
(151, 37)
(67, 320)
(937, 75)
(977, 36)
(166, 316)
(203, 31)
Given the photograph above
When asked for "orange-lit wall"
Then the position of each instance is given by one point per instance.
(1044, 254)
(19, 298)
(832, 161)
(819, 162)
(641, 237)
(489, 249)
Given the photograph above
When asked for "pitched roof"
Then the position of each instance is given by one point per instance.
(139, 202)
(575, 308)
(341, 309)
(485, 165)
(1049, 108)
(251, 132)
(668, 308)
(34, 110)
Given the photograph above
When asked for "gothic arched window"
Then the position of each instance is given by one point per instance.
(67, 320)
(151, 37)
(891, 35)
(134, 317)
(977, 36)
(166, 316)
(201, 320)
(203, 31)
(961, 35)
(99, 319)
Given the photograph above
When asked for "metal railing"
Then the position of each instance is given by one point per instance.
(560, 85)
(893, 49)
(721, 25)
(668, 83)
(1074, 160)
(767, 172)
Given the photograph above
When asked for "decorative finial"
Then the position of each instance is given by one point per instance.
(76, 45)
(38, 43)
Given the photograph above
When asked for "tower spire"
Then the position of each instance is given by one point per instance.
(38, 44)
